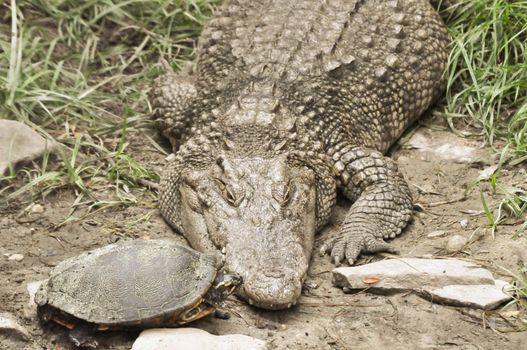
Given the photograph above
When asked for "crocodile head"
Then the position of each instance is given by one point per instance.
(261, 214)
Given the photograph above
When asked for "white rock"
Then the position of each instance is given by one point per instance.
(10, 326)
(170, 157)
(37, 209)
(441, 144)
(19, 143)
(446, 281)
(32, 288)
(194, 339)
(487, 172)
(15, 257)
(486, 297)
(455, 243)
(30, 309)
(411, 273)
(464, 223)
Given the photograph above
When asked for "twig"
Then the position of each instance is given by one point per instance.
(336, 305)
(148, 184)
(336, 339)
(14, 44)
(450, 201)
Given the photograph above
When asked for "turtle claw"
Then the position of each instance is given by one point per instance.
(82, 337)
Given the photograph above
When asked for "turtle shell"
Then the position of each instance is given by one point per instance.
(139, 282)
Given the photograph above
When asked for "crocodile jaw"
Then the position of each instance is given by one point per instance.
(273, 263)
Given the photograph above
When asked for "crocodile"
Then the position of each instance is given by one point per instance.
(288, 102)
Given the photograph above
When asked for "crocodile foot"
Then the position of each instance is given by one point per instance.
(350, 246)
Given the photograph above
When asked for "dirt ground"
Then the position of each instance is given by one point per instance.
(325, 317)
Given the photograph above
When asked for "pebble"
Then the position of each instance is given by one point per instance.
(310, 284)
(222, 314)
(37, 209)
(170, 157)
(15, 257)
(455, 243)
(464, 223)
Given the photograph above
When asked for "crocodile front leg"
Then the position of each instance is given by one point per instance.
(381, 209)
(172, 97)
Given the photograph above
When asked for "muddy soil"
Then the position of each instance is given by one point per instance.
(325, 317)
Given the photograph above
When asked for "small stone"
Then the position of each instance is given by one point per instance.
(193, 338)
(222, 314)
(10, 326)
(37, 209)
(15, 257)
(455, 243)
(310, 285)
(170, 157)
(19, 143)
(438, 233)
(464, 223)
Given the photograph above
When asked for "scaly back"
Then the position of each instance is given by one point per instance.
(339, 70)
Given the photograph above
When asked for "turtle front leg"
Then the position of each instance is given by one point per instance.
(382, 204)
(82, 336)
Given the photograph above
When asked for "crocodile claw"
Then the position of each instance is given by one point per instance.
(349, 246)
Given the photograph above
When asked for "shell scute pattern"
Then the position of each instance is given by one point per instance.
(131, 283)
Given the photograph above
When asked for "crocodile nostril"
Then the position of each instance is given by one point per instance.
(274, 273)
(256, 220)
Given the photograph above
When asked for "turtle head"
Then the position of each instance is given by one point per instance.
(224, 285)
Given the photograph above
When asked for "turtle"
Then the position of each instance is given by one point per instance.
(133, 284)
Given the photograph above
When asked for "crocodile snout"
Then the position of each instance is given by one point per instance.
(270, 292)
(274, 273)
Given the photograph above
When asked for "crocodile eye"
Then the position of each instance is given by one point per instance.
(287, 193)
(282, 192)
(228, 193)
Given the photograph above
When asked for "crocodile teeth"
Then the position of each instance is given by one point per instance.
(288, 305)
(251, 302)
